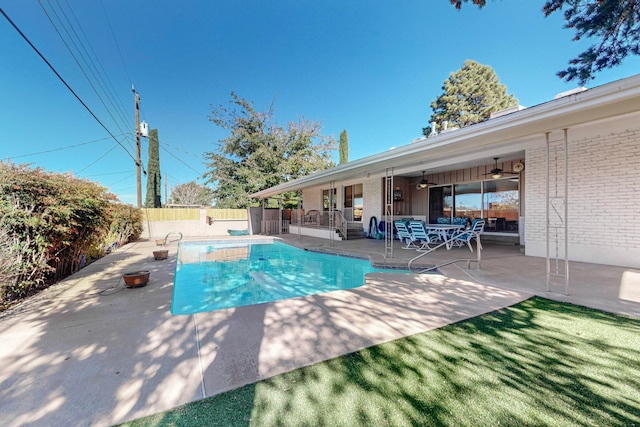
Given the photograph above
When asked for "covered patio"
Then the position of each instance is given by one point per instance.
(539, 177)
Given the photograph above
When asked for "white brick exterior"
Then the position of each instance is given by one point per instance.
(312, 199)
(372, 194)
(603, 172)
(603, 195)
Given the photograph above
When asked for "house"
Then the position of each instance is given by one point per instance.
(561, 178)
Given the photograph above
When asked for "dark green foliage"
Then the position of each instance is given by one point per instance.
(470, 95)
(154, 188)
(259, 154)
(344, 147)
(49, 222)
(615, 24)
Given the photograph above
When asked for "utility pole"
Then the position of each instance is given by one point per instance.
(138, 160)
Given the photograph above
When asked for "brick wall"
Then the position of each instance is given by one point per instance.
(372, 194)
(603, 194)
(312, 198)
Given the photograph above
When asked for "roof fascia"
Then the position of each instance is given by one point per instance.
(612, 99)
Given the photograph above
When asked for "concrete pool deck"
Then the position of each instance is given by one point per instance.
(90, 352)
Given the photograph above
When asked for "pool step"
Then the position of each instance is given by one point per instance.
(355, 231)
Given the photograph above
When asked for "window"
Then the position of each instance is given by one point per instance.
(495, 200)
(326, 201)
(468, 201)
(501, 205)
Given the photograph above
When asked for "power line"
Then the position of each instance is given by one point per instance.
(115, 41)
(178, 159)
(65, 83)
(119, 106)
(108, 173)
(61, 148)
(96, 160)
(180, 182)
(120, 180)
(90, 65)
(181, 150)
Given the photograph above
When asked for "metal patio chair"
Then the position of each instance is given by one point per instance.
(421, 234)
(466, 236)
(406, 236)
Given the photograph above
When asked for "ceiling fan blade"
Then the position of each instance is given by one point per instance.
(423, 183)
(494, 172)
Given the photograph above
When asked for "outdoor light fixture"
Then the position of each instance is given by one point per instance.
(423, 183)
(397, 194)
(496, 172)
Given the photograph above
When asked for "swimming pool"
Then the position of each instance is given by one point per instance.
(216, 275)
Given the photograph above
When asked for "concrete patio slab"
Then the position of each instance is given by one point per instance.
(90, 352)
(242, 345)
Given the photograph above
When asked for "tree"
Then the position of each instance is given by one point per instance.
(614, 23)
(154, 188)
(192, 193)
(344, 147)
(470, 95)
(260, 154)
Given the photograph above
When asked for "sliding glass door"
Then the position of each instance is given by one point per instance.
(440, 204)
(495, 200)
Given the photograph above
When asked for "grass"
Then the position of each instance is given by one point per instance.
(537, 363)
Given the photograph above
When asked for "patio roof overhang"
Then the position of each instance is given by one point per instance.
(477, 144)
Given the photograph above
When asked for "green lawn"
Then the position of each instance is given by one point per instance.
(537, 363)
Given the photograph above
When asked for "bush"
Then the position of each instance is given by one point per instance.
(50, 222)
(125, 224)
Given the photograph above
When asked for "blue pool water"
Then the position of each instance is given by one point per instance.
(216, 275)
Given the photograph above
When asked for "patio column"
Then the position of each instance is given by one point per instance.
(557, 194)
(388, 214)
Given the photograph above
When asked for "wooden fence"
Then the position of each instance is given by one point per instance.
(189, 214)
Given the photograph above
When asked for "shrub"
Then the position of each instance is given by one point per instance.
(49, 222)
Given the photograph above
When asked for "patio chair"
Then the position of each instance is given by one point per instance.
(466, 236)
(421, 234)
(405, 235)
(312, 217)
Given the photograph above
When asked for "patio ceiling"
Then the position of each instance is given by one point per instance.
(505, 137)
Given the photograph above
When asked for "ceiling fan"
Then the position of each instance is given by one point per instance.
(423, 183)
(496, 172)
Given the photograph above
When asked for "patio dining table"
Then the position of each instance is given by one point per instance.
(444, 231)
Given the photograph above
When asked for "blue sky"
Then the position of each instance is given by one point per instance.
(370, 67)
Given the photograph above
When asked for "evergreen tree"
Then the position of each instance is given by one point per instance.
(470, 95)
(344, 147)
(152, 198)
(614, 23)
(260, 154)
